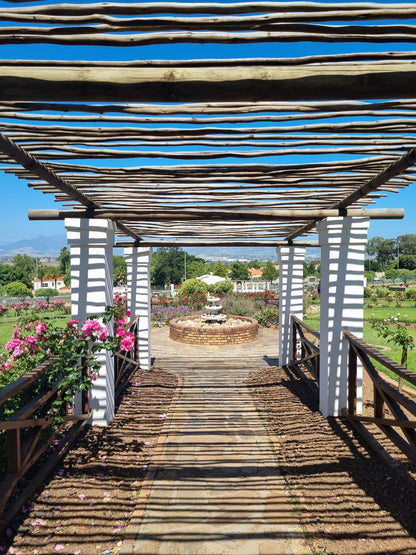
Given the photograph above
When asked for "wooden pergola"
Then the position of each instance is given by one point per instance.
(216, 150)
(254, 150)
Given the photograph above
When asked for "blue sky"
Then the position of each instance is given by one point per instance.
(16, 198)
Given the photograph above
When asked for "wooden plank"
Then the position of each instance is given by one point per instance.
(253, 83)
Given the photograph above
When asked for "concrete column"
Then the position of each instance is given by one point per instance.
(343, 243)
(290, 297)
(91, 244)
(139, 297)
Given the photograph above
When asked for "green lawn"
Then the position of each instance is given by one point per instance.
(6, 326)
(407, 311)
(370, 336)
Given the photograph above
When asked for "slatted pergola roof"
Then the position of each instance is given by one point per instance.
(212, 149)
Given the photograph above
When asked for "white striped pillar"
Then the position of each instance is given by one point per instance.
(290, 297)
(343, 242)
(91, 244)
(139, 297)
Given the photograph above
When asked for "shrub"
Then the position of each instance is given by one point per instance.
(17, 289)
(191, 286)
(221, 288)
(48, 292)
(267, 317)
(240, 306)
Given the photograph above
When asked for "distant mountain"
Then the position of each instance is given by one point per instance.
(36, 246)
(50, 247)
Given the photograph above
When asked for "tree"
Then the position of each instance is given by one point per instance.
(407, 244)
(407, 262)
(23, 269)
(239, 271)
(119, 270)
(219, 269)
(168, 266)
(195, 269)
(5, 270)
(257, 264)
(50, 272)
(270, 273)
(384, 250)
(17, 289)
(64, 260)
(312, 268)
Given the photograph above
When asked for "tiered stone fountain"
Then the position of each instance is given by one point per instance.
(213, 327)
(214, 316)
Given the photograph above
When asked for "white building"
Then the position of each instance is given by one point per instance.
(57, 283)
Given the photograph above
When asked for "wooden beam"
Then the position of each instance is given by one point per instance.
(48, 82)
(30, 163)
(396, 168)
(215, 243)
(207, 214)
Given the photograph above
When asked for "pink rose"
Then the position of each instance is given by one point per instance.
(40, 328)
(120, 332)
(102, 334)
(127, 343)
(128, 313)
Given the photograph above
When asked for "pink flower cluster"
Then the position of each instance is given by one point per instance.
(25, 341)
(127, 337)
(92, 329)
(18, 307)
(3, 309)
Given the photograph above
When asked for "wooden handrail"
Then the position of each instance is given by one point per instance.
(383, 359)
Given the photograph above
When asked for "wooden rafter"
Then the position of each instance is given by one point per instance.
(245, 149)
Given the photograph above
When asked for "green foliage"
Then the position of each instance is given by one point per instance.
(257, 264)
(5, 270)
(239, 271)
(397, 332)
(386, 251)
(191, 286)
(270, 273)
(407, 262)
(219, 270)
(119, 270)
(17, 289)
(47, 292)
(37, 342)
(267, 317)
(312, 268)
(64, 260)
(168, 266)
(23, 269)
(195, 268)
(369, 275)
(221, 288)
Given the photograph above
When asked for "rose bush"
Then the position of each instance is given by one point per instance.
(37, 342)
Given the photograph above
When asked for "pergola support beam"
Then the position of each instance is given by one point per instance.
(259, 82)
(214, 243)
(245, 215)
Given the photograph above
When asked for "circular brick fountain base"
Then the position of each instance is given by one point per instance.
(191, 329)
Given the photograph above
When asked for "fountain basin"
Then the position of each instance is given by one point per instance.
(192, 329)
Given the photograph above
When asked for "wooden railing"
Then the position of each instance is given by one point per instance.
(28, 433)
(393, 411)
(125, 362)
(309, 352)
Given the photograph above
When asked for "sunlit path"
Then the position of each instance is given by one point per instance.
(217, 487)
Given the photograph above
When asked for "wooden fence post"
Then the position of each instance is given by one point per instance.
(352, 380)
